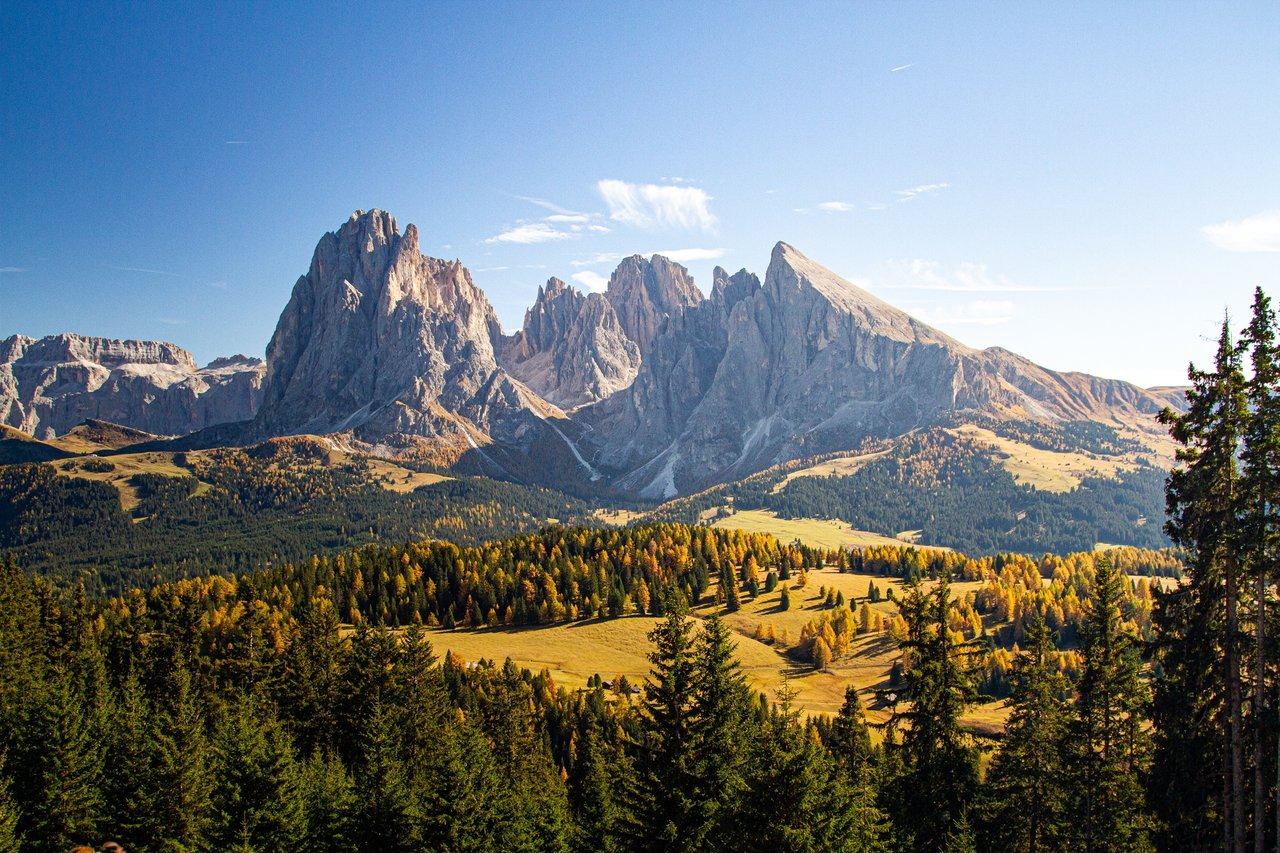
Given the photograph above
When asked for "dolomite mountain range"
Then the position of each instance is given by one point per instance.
(650, 388)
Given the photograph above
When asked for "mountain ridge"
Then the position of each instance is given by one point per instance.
(649, 388)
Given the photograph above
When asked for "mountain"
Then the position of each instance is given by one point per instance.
(811, 363)
(572, 349)
(666, 391)
(646, 292)
(391, 347)
(50, 385)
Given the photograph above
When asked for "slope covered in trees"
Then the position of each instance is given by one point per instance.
(954, 491)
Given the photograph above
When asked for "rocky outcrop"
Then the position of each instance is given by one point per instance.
(50, 385)
(385, 344)
(809, 364)
(644, 293)
(572, 349)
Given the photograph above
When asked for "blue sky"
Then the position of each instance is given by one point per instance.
(1088, 185)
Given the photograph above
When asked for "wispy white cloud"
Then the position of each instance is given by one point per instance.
(654, 206)
(684, 256)
(13, 269)
(142, 269)
(1257, 233)
(592, 281)
(568, 217)
(979, 312)
(599, 229)
(530, 232)
(236, 142)
(835, 206)
(916, 192)
(964, 277)
(549, 205)
(901, 67)
(597, 259)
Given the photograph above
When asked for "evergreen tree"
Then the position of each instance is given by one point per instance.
(256, 802)
(1110, 747)
(10, 839)
(940, 762)
(851, 737)
(1260, 534)
(664, 811)
(56, 761)
(719, 716)
(592, 796)
(1198, 772)
(328, 805)
(1025, 788)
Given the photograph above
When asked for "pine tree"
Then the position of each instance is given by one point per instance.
(940, 762)
(56, 761)
(1025, 788)
(592, 796)
(1260, 494)
(851, 737)
(719, 713)
(10, 839)
(1109, 745)
(255, 802)
(1198, 772)
(328, 805)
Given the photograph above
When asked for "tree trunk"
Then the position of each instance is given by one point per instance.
(1235, 722)
(1259, 702)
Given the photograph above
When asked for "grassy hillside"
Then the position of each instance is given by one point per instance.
(978, 488)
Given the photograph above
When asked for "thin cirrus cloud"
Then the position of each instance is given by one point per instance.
(529, 233)
(835, 206)
(979, 312)
(964, 277)
(684, 256)
(592, 281)
(13, 269)
(653, 207)
(1257, 233)
(915, 192)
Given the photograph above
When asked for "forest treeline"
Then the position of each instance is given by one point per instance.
(163, 731)
(259, 507)
(950, 489)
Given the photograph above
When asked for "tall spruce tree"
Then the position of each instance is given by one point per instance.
(1026, 792)
(1110, 746)
(1198, 771)
(1260, 490)
(939, 760)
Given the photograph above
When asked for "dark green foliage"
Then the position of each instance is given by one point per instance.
(1109, 749)
(952, 490)
(940, 762)
(257, 512)
(256, 802)
(1026, 793)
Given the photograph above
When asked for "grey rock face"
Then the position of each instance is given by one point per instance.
(644, 293)
(810, 363)
(50, 385)
(572, 349)
(380, 341)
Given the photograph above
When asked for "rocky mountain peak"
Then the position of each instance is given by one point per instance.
(645, 292)
(572, 349)
(380, 340)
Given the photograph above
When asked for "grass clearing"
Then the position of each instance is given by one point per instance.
(123, 467)
(816, 532)
(1047, 470)
(841, 466)
(394, 478)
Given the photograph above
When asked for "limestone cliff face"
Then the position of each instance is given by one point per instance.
(572, 349)
(644, 293)
(50, 385)
(382, 342)
(811, 363)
